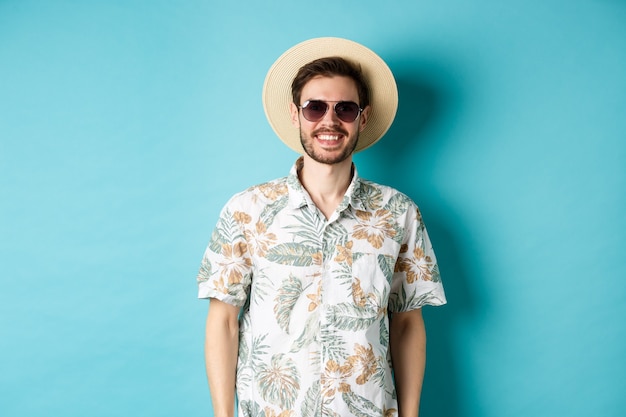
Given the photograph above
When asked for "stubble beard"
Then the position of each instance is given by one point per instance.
(329, 160)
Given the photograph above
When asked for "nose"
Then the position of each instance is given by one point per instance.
(330, 116)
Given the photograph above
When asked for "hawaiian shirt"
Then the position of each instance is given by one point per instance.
(316, 294)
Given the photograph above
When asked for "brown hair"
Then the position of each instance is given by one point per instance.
(329, 67)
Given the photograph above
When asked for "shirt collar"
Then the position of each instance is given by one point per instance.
(299, 197)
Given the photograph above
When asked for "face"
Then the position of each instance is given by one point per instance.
(329, 140)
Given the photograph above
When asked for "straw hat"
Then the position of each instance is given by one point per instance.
(382, 86)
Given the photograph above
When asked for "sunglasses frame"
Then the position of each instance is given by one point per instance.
(327, 103)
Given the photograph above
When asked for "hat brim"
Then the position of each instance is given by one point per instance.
(277, 88)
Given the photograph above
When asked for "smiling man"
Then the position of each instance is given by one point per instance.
(317, 279)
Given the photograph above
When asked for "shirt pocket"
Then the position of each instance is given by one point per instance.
(371, 278)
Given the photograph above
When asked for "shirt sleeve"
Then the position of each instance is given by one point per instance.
(416, 280)
(226, 267)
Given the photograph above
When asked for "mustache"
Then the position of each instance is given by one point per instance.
(327, 130)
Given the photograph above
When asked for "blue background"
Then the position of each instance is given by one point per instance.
(125, 126)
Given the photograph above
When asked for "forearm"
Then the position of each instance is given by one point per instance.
(408, 354)
(221, 349)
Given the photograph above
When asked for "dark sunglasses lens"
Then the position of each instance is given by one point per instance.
(314, 110)
(347, 111)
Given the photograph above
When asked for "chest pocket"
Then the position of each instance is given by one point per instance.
(371, 279)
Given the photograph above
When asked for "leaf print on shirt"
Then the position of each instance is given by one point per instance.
(364, 361)
(371, 302)
(349, 317)
(342, 263)
(333, 345)
(241, 217)
(235, 263)
(279, 381)
(315, 298)
(416, 267)
(294, 254)
(374, 227)
(227, 230)
(405, 302)
(383, 329)
(311, 406)
(307, 227)
(344, 253)
(287, 297)
(205, 270)
(250, 358)
(309, 334)
(387, 265)
(271, 210)
(291, 290)
(263, 287)
(259, 240)
(271, 413)
(371, 196)
(250, 409)
(389, 412)
(358, 295)
(272, 190)
(334, 234)
(360, 406)
(334, 378)
(398, 204)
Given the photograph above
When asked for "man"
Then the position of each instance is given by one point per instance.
(317, 279)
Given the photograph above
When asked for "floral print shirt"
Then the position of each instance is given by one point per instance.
(316, 294)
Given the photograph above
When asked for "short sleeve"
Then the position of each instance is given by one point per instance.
(416, 281)
(226, 267)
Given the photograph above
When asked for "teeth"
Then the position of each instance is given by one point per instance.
(328, 137)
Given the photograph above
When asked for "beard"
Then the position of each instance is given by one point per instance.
(307, 145)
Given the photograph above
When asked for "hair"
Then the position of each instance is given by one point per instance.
(329, 67)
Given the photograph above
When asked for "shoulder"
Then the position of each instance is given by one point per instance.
(375, 195)
(390, 202)
(384, 189)
(261, 194)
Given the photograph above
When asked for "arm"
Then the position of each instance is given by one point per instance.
(220, 352)
(408, 355)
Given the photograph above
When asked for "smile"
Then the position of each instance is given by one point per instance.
(328, 137)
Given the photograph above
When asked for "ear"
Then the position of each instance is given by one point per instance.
(293, 110)
(365, 114)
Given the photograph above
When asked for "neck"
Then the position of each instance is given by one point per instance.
(326, 183)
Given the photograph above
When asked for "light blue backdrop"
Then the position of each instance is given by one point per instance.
(125, 125)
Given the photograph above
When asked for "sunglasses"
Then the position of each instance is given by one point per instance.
(346, 111)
